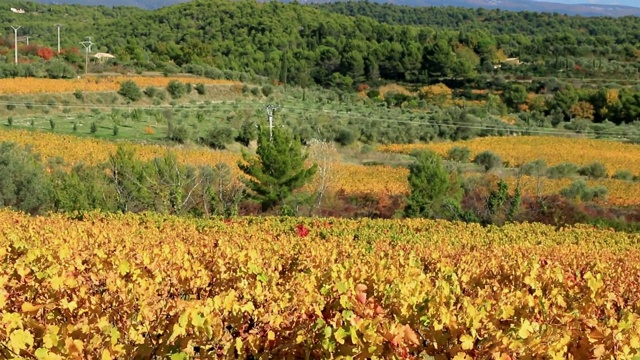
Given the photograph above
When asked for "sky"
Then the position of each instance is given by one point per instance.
(635, 3)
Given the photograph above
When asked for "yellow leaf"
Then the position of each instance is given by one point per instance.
(20, 340)
(467, 342)
(635, 342)
(525, 330)
(29, 307)
(598, 351)
(462, 356)
(271, 335)
(106, 355)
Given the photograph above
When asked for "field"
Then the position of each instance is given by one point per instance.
(352, 178)
(518, 150)
(134, 286)
(23, 86)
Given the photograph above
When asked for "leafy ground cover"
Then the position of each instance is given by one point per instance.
(135, 286)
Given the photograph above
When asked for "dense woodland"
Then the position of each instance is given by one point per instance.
(573, 68)
(317, 43)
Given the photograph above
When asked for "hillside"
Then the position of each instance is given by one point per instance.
(583, 9)
(317, 45)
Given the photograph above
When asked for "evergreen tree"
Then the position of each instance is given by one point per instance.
(433, 194)
(278, 169)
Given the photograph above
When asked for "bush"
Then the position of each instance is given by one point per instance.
(488, 160)
(534, 168)
(562, 170)
(130, 91)
(594, 170)
(52, 124)
(345, 137)
(151, 91)
(93, 128)
(179, 133)
(267, 90)
(176, 89)
(373, 94)
(255, 91)
(580, 190)
(116, 130)
(24, 183)
(200, 89)
(10, 121)
(625, 175)
(459, 154)
(219, 137)
(78, 94)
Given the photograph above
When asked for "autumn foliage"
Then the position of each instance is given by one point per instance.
(134, 286)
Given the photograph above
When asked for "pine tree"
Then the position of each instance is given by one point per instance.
(278, 170)
(433, 193)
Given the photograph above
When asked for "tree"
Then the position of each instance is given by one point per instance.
(433, 194)
(278, 169)
(515, 95)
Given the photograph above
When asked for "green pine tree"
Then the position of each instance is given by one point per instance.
(278, 170)
(433, 193)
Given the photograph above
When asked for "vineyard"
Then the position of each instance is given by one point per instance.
(554, 150)
(21, 86)
(351, 178)
(139, 286)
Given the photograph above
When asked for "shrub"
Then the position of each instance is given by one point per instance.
(11, 107)
(93, 128)
(25, 185)
(580, 190)
(78, 94)
(562, 170)
(179, 133)
(219, 137)
(116, 130)
(130, 91)
(255, 91)
(625, 175)
(176, 89)
(345, 137)
(534, 168)
(200, 89)
(151, 91)
(595, 170)
(267, 90)
(10, 121)
(52, 124)
(459, 154)
(488, 160)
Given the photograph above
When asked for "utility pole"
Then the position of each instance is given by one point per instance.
(15, 41)
(87, 48)
(270, 110)
(58, 26)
